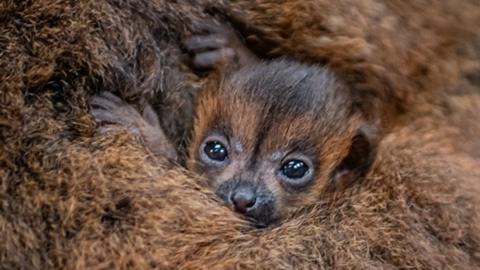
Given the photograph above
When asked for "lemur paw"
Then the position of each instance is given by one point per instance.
(106, 108)
(214, 45)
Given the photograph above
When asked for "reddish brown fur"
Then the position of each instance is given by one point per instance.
(74, 198)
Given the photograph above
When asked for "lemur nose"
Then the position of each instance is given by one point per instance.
(243, 200)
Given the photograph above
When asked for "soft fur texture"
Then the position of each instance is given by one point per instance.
(72, 197)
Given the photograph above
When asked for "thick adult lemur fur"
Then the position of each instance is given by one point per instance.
(72, 197)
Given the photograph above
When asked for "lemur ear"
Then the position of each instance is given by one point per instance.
(358, 161)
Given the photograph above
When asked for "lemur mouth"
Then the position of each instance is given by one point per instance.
(263, 224)
(260, 225)
(252, 199)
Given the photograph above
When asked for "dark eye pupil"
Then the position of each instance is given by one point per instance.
(294, 169)
(216, 151)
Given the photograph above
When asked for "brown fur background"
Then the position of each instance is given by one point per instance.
(73, 198)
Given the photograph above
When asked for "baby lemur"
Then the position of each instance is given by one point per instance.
(269, 136)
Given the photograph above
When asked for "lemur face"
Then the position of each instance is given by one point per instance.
(271, 138)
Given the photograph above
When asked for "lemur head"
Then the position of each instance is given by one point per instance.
(273, 137)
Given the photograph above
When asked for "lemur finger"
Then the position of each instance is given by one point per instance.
(108, 117)
(98, 102)
(166, 151)
(106, 100)
(114, 98)
(158, 143)
(105, 116)
(151, 116)
(204, 26)
(209, 60)
(198, 44)
(212, 27)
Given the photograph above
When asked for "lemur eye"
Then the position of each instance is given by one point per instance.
(294, 169)
(296, 172)
(215, 150)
